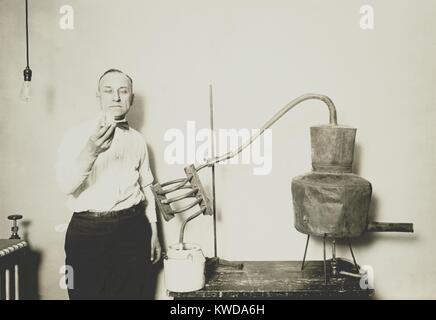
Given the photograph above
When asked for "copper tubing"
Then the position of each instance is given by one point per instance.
(182, 181)
(181, 197)
(350, 274)
(277, 116)
(182, 230)
(172, 182)
(189, 206)
(390, 227)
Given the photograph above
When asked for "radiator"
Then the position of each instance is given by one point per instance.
(12, 254)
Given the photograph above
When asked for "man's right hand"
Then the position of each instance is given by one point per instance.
(101, 140)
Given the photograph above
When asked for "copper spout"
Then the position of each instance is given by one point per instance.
(390, 227)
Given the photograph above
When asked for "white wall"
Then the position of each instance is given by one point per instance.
(258, 55)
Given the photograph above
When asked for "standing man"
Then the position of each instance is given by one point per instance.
(104, 169)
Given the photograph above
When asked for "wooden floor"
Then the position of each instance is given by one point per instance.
(277, 280)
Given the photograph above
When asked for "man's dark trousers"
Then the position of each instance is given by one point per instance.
(109, 254)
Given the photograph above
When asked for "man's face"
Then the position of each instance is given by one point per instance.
(115, 94)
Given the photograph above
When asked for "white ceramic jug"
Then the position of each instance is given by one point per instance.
(184, 268)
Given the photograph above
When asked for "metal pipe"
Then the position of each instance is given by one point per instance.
(350, 274)
(389, 227)
(176, 187)
(277, 116)
(352, 254)
(305, 251)
(172, 182)
(181, 197)
(189, 206)
(182, 229)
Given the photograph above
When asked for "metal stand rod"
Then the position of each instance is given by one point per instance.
(352, 254)
(215, 247)
(325, 263)
(305, 251)
(215, 261)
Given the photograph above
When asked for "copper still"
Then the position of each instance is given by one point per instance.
(332, 201)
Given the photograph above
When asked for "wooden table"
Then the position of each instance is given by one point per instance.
(11, 258)
(277, 280)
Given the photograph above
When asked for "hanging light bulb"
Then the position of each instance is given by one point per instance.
(25, 92)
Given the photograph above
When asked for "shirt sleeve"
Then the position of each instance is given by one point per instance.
(150, 211)
(145, 180)
(70, 172)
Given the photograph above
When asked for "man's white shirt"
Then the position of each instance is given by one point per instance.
(119, 178)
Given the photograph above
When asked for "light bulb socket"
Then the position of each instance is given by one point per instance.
(27, 74)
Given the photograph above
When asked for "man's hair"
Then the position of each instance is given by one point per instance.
(116, 71)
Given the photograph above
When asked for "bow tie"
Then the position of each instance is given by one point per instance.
(124, 125)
